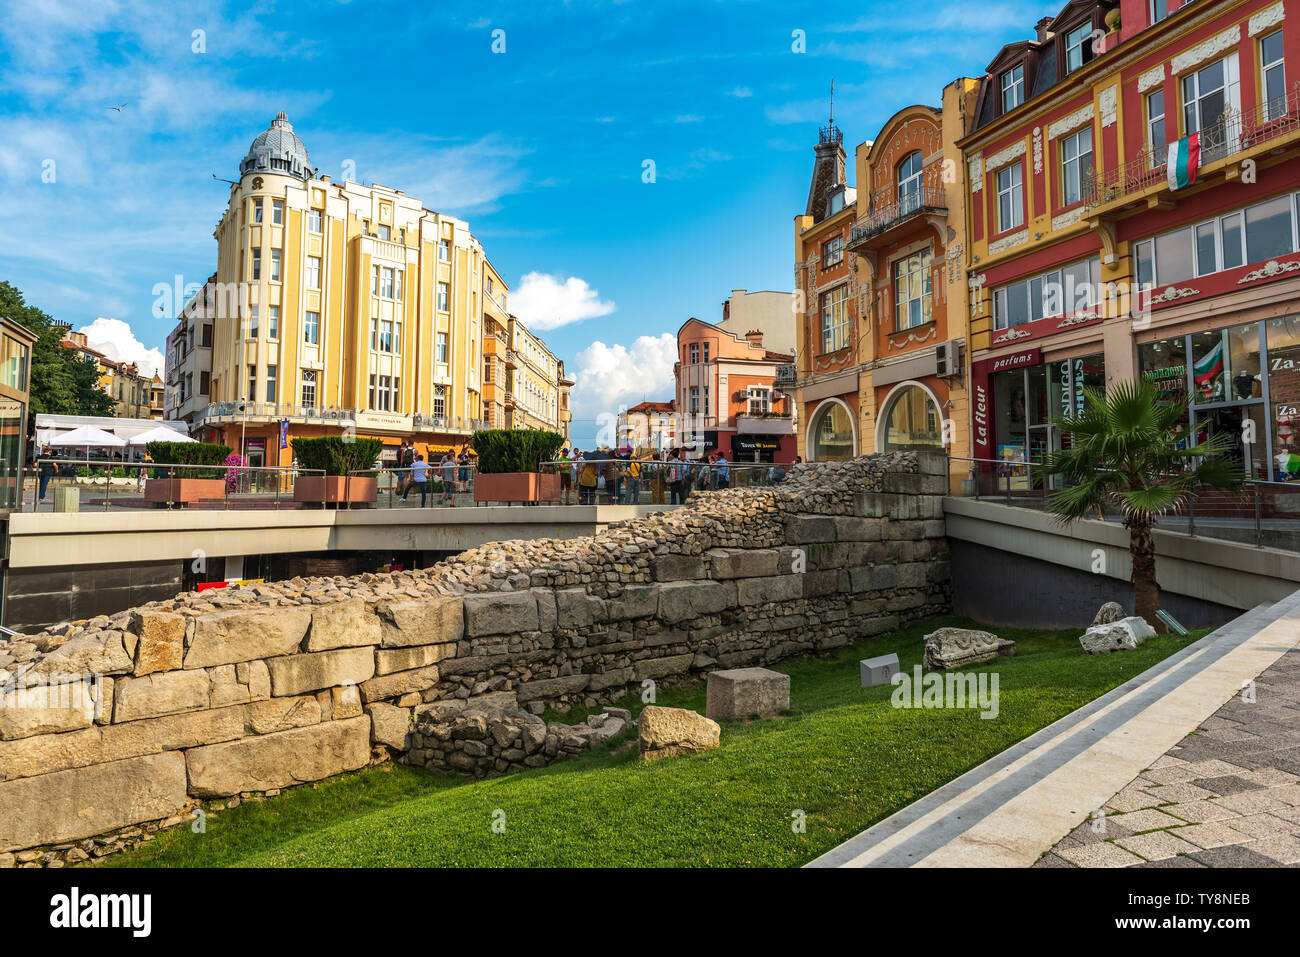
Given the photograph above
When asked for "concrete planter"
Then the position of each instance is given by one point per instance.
(335, 489)
(183, 491)
(516, 487)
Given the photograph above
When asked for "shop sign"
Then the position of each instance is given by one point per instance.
(752, 443)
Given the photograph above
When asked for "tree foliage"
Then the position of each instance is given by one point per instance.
(515, 450)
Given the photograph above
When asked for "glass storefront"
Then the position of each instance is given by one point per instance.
(911, 421)
(830, 439)
(1244, 382)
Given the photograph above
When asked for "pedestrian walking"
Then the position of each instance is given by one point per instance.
(420, 479)
(721, 471)
(588, 479)
(566, 474)
(448, 467)
(46, 472)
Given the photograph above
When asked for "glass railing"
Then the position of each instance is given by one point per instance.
(81, 485)
(1265, 514)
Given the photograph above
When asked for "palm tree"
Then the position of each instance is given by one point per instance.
(1129, 451)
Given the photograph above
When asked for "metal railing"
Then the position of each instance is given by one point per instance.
(393, 487)
(1266, 514)
(1235, 132)
(912, 202)
(103, 484)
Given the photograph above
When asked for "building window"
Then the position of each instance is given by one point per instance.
(313, 221)
(695, 353)
(444, 297)
(1013, 88)
(1274, 69)
(835, 319)
(275, 265)
(1156, 128)
(385, 233)
(252, 383)
(1255, 234)
(441, 355)
(257, 210)
(311, 328)
(706, 353)
(444, 251)
(313, 272)
(257, 264)
(309, 383)
(205, 382)
(277, 212)
(1208, 94)
(1060, 292)
(1011, 198)
(273, 322)
(760, 401)
(910, 421)
(909, 183)
(252, 320)
(833, 252)
(1078, 48)
(830, 439)
(695, 400)
(205, 338)
(270, 383)
(1159, 9)
(440, 400)
(1076, 166)
(912, 291)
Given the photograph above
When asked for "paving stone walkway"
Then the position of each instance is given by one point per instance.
(1227, 795)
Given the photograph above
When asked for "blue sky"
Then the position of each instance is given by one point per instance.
(541, 148)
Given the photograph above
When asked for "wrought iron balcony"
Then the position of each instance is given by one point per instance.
(1236, 132)
(786, 376)
(917, 202)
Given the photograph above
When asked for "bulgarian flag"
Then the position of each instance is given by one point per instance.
(1184, 161)
(1210, 365)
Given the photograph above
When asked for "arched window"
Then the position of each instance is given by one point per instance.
(910, 420)
(909, 182)
(830, 439)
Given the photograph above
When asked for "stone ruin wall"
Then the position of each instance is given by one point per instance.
(247, 690)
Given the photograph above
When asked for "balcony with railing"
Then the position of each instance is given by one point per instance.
(885, 216)
(786, 376)
(1236, 135)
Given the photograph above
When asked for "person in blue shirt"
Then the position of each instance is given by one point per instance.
(420, 477)
(722, 471)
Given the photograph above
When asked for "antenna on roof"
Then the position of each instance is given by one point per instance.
(832, 101)
(220, 180)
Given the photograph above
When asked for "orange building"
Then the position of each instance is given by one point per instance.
(727, 398)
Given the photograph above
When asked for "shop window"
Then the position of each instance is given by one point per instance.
(831, 435)
(1060, 292)
(1283, 336)
(911, 421)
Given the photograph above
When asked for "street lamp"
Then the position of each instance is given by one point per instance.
(243, 428)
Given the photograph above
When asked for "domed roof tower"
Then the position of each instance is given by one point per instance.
(278, 150)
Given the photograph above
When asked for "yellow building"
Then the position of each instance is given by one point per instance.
(342, 308)
(533, 383)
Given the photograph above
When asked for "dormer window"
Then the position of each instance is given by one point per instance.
(1159, 10)
(1013, 88)
(1078, 49)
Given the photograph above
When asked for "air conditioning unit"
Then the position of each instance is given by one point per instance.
(948, 359)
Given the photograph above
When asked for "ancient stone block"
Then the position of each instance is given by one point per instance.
(662, 667)
(758, 591)
(672, 568)
(552, 687)
(170, 692)
(636, 601)
(298, 674)
(500, 613)
(257, 676)
(389, 660)
(389, 725)
(399, 683)
(281, 714)
(345, 702)
(343, 624)
(1124, 634)
(575, 608)
(101, 653)
(680, 601)
(224, 688)
(949, 648)
(279, 760)
(725, 563)
(46, 709)
(429, 621)
(806, 529)
(666, 732)
(160, 642)
(747, 693)
(850, 528)
(547, 616)
(230, 636)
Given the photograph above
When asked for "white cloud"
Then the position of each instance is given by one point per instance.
(545, 302)
(114, 338)
(741, 92)
(610, 377)
(688, 118)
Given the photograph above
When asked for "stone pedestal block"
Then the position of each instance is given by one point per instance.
(747, 693)
(878, 671)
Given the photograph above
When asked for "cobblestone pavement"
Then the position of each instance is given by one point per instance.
(1227, 795)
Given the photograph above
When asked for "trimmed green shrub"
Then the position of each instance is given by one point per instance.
(335, 456)
(515, 450)
(187, 453)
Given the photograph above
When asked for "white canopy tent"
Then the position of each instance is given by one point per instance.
(161, 434)
(49, 427)
(88, 437)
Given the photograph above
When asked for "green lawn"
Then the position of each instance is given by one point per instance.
(844, 756)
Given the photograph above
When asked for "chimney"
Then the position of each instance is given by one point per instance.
(1042, 27)
(755, 337)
